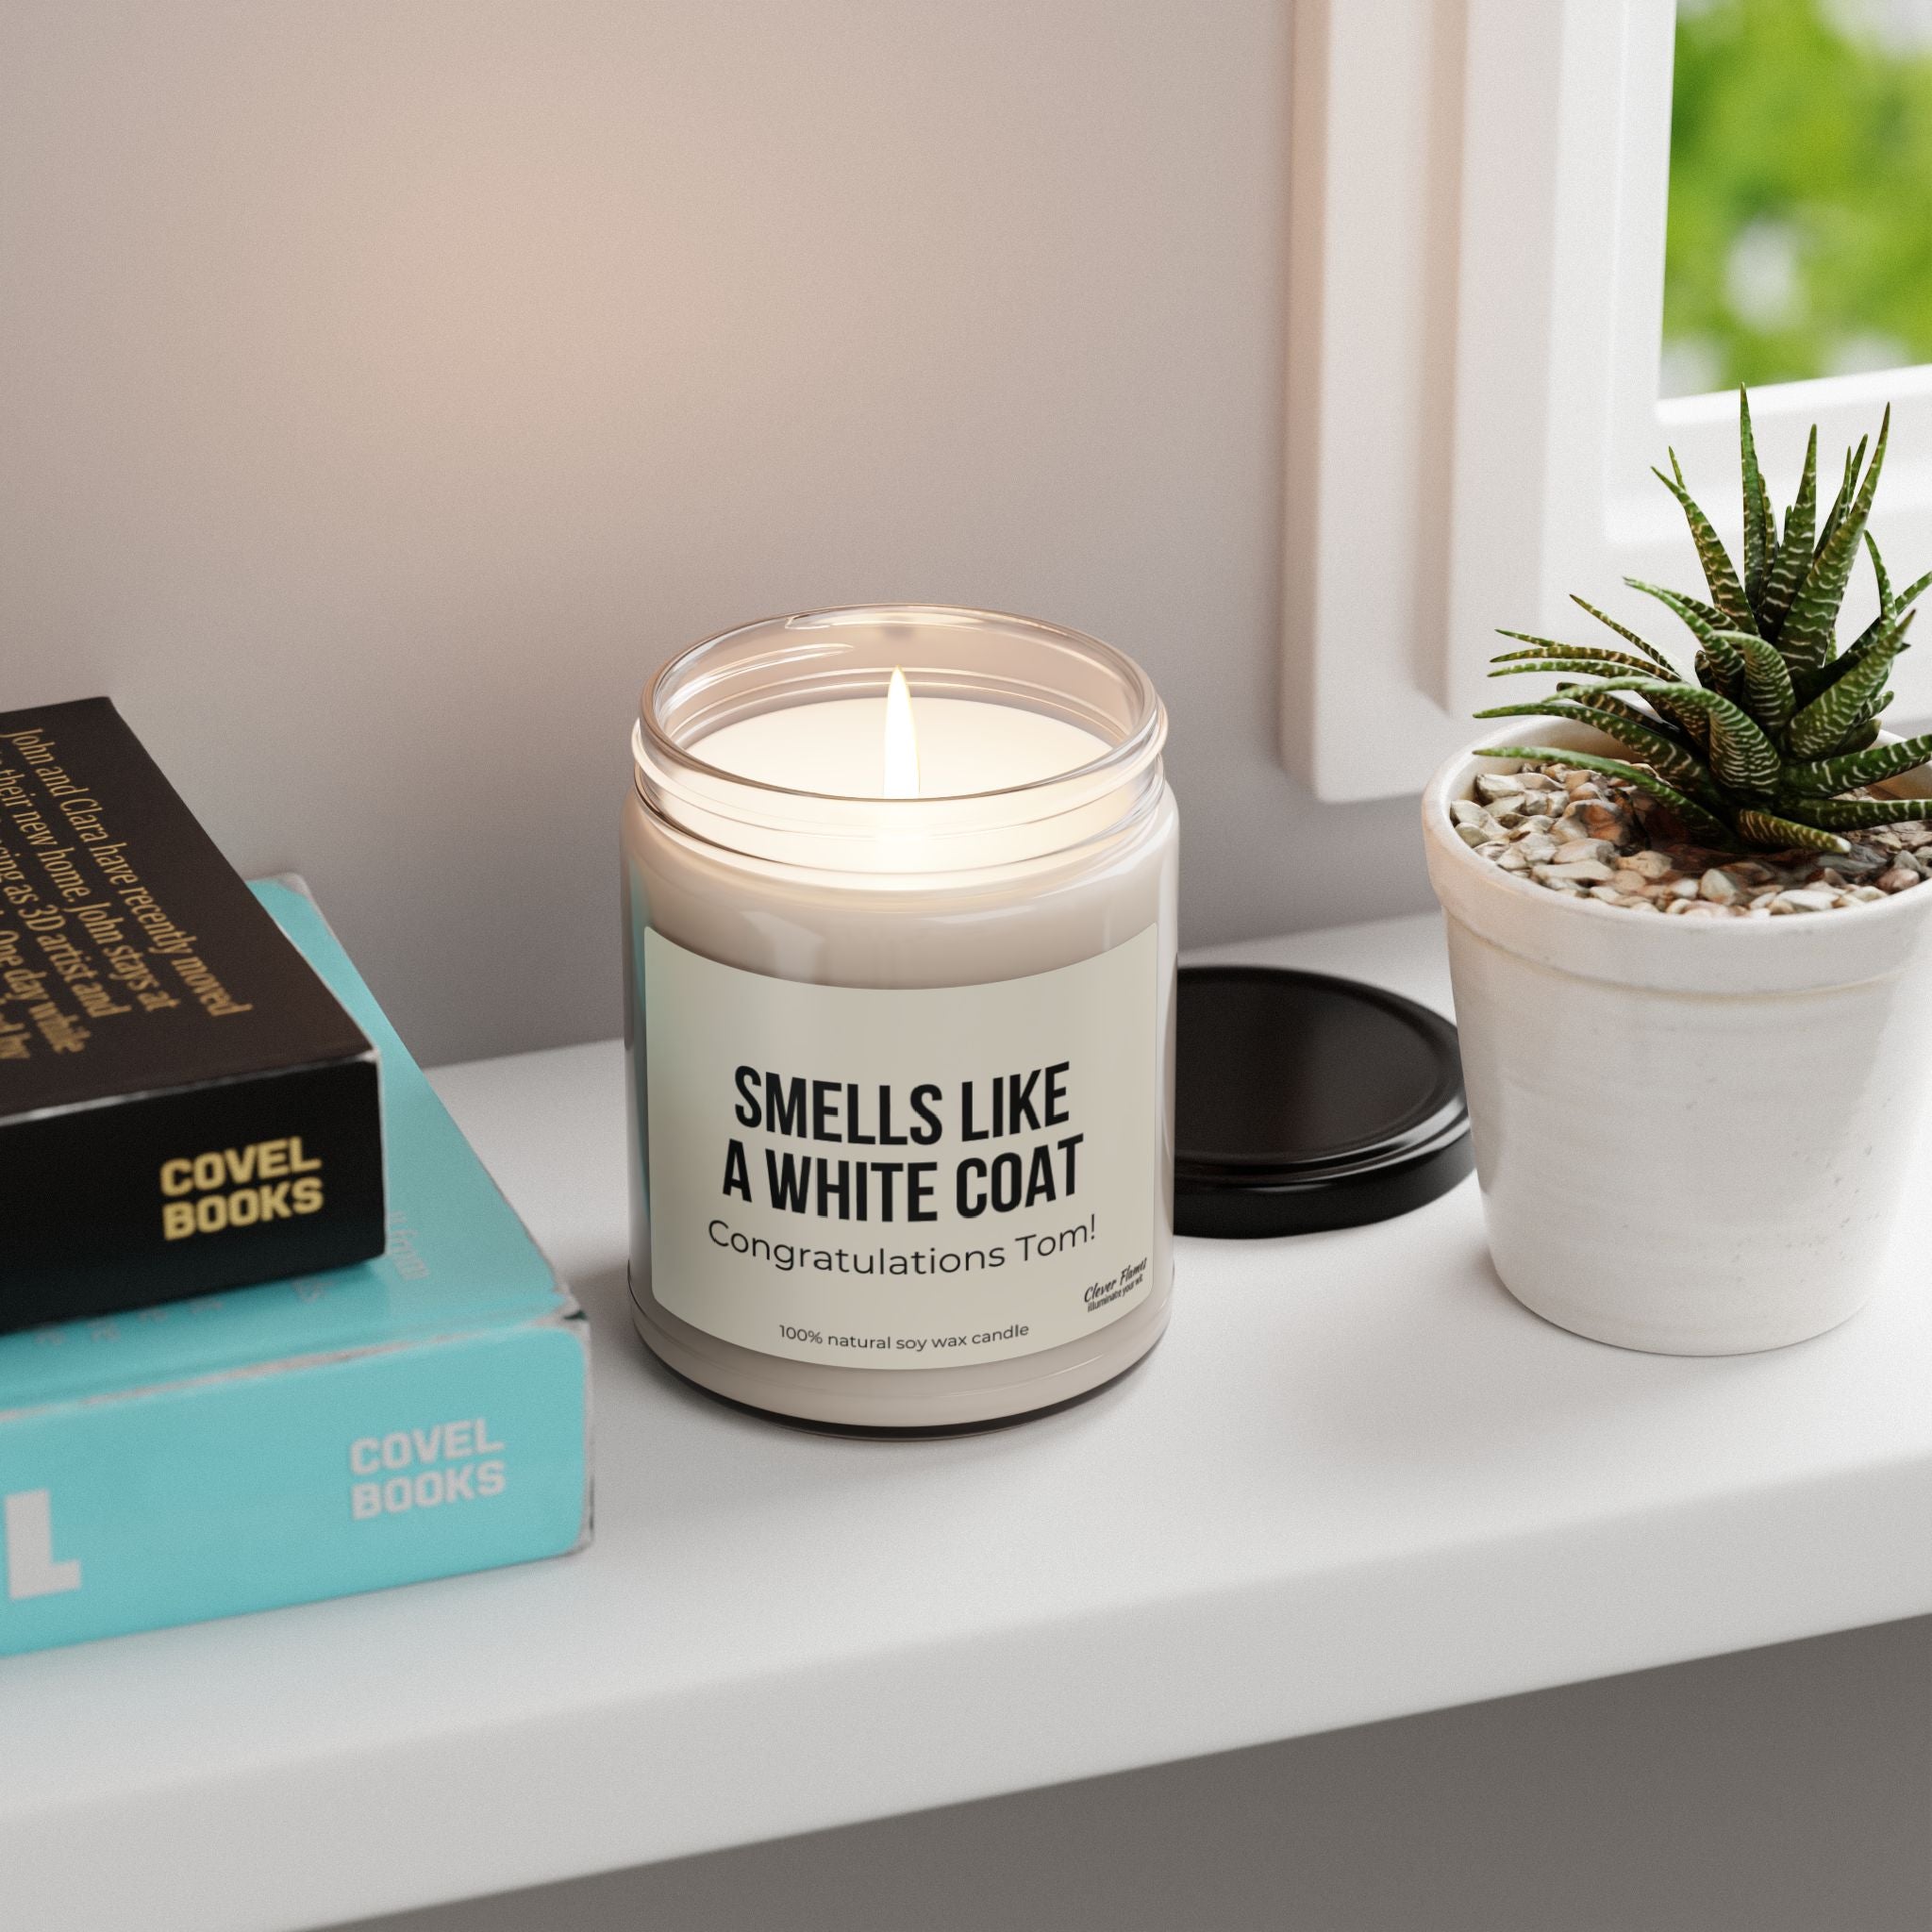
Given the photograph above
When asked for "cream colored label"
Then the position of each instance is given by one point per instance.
(902, 1178)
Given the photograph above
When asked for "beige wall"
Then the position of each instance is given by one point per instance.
(386, 386)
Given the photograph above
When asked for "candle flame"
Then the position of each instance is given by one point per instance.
(902, 741)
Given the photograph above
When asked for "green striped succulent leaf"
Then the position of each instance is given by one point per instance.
(1846, 702)
(1726, 592)
(1770, 833)
(1908, 596)
(1574, 653)
(1858, 814)
(1692, 724)
(1611, 705)
(1880, 640)
(1514, 665)
(1793, 556)
(1714, 640)
(1805, 639)
(1761, 531)
(1669, 758)
(1878, 571)
(1809, 686)
(1865, 733)
(1853, 461)
(1690, 721)
(1768, 694)
(1825, 777)
(1742, 760)
(1628, 635)
(1736, 689)
(1710, 612)
(1695, 820)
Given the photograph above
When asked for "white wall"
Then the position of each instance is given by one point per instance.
(386, 389)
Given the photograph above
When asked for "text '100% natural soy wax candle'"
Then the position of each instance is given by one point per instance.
(899, 917)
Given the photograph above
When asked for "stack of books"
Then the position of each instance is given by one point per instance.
(182, 1446)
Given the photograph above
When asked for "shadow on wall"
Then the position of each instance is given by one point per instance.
(1772, 1790)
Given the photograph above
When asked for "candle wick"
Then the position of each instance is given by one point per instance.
(901, 741)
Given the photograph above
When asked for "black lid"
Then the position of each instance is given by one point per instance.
(1308, 1101)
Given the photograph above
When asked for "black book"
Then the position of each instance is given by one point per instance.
(184, 1105)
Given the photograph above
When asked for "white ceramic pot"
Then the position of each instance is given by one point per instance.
(1690, 1134)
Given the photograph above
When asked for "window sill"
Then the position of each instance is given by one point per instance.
(1355, 1481)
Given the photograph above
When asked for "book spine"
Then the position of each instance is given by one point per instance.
(148, 1198)
(317, 1479)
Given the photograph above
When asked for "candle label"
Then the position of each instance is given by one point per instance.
(902, 1178)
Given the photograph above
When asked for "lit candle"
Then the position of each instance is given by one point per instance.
(900, 890)
(879, 748)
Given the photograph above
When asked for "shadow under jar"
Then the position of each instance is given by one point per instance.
(899, 1017)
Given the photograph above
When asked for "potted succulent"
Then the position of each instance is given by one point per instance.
(1692, 960)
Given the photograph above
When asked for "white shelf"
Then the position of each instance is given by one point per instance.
(1355, 1481)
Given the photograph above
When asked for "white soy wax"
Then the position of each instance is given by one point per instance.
(964, 747)
(900, 955)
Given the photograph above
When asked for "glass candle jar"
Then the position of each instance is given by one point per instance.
(899, 921)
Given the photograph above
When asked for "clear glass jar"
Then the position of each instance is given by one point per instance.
(900, 1069)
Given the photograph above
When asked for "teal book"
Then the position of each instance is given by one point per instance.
(419, 1415)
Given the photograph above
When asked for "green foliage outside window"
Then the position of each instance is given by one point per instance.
(1801, 191)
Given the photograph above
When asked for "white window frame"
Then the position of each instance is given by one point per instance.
(1477, 199)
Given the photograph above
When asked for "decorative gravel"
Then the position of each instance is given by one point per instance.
(1592, 835)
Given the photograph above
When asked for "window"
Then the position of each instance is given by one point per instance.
(1479, 377)
(1800, 234)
